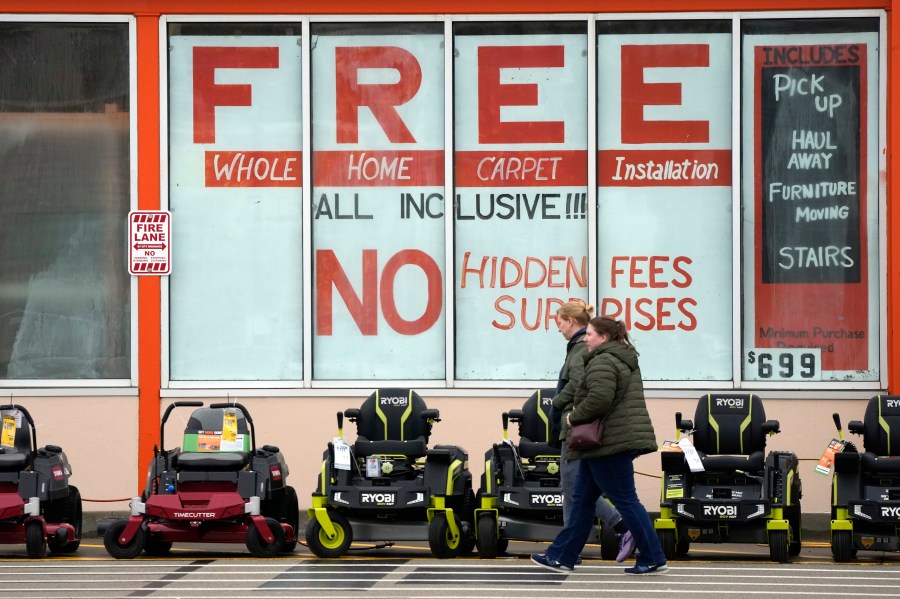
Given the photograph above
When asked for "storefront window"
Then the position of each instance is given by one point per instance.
(664, 219)
(235, 194)
(521, 235)
(378, 201)
(64, 198)
(810, 158)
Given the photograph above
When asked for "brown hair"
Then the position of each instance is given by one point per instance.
(615, 329)
(577, 310)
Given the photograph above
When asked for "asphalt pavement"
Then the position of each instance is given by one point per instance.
(407, 570)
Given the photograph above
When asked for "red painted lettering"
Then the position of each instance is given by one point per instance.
(380, 98)
(492, 94)
(637, 93)
(208, 94)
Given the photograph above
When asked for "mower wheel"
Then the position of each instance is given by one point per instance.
(443, 544)
(258, 547)
(321, 545)
(667, 540)
(609, 542)
(66, 510)
(841, 545)
(682, 547)
(290, 513)
(778, 546)
(794, 519)
(156, 547)
(35, 542)
(123, 551)
(502, 545)
(487, 537)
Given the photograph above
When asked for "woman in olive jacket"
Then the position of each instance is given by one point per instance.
(611, 389)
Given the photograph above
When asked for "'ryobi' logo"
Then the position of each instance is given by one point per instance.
(890, 512)
(551, 499)
(730, 402)
(377, 498)
(546, 401)
(393, 401)
(892, 403)
(720, 511)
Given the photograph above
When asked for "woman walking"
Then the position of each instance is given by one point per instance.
(612, 389)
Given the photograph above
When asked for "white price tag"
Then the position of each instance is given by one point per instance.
(783, 364)
(341, 454)
(691, 455)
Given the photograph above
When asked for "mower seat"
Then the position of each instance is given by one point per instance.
(730, 432)
(12, 460)
(207, 461)
(534, 426)
(17, 457)
(203, 444)
(881, 435)
(390, 422)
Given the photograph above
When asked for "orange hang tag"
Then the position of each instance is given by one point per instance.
(827, 459)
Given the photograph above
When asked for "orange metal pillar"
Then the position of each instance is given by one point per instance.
(148, 168)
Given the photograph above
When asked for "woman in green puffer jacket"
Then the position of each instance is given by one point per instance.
(612, 390)
(572, 320)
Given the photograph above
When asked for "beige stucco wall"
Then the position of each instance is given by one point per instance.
(99, 435)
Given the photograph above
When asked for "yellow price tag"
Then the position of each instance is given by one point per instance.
(8, 436)
(229, 427)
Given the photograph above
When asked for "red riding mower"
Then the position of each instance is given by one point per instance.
(219, 489)
(38, 506)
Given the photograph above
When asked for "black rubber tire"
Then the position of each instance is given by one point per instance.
(794, 518)
(116, 549)
(35, 542)
(609, 542)
(778, 546)
(682, 547)
(487, 537)
(439, 540)
(841, 545)
(502, 546)
(667, 540)
(319, 543)
(68, 511)
(258, 547)
(291, 516)
(156, 547)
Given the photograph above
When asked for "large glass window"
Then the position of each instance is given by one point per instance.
(64, 199)
(378, 201)
(664, 218)
(810, 209)
(235, 194)
(521, 236)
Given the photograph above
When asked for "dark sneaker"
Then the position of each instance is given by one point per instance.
(541, 559)
(626, 546)
(648, 570)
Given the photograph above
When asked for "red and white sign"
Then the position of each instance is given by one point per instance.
(149, 242)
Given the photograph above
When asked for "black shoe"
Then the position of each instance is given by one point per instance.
(648, 570)
(541, 559)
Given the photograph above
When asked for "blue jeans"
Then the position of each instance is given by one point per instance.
(613, 475)
(567, 472)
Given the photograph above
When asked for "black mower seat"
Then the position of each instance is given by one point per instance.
(410, 449)
(209, 461)
(729, 463)
(532, 449)
(535, 427)
(876, 463)
(390, 422)
(13, 461)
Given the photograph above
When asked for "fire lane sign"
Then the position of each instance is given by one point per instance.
(149, 242)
